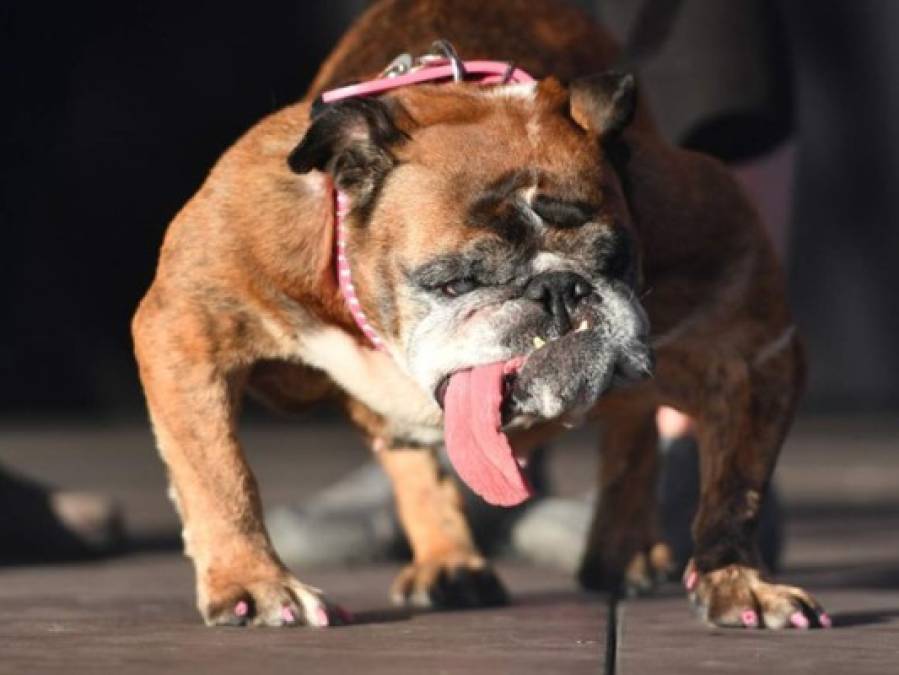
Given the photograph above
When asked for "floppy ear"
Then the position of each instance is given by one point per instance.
(351, 140)
(604, 103)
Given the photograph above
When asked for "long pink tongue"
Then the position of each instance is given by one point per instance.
(479, 451)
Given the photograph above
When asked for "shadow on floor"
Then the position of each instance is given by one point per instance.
(864, 617)
(874, 575)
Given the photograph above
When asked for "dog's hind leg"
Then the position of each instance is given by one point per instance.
(624, 550)
(446, 570)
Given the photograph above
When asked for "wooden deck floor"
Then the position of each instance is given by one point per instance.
(134, 614)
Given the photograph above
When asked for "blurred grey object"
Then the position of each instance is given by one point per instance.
(350, 521)
(354, 521)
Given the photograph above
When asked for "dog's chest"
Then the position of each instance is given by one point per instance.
(375, 379)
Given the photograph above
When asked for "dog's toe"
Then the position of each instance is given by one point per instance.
(281, 602)
(736, 597)
(450, 583)
(647, 569)
(640, 575)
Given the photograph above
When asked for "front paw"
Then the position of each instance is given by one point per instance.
(736, 596)
(452, 581)
(637, 574)
(276, 599)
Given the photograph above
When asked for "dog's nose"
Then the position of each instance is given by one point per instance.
(559, 293)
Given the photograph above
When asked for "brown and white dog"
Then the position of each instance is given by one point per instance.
(511, 245)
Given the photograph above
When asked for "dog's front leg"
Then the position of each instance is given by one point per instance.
(446, 570)
(743, 408)
(193, 398)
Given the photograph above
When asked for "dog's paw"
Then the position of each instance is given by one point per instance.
(735, 596)
(278, 601)
(640, 575)
(455, 581)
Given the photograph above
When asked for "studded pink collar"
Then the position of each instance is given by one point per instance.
(402, 72)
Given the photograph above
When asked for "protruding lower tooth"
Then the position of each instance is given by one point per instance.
(538, 342)
(522, 462)
(584, 326)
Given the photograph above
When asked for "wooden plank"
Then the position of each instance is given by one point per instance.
(660, 635)
(135, 615)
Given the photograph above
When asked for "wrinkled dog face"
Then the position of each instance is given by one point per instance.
(489, 225)
(556, 290)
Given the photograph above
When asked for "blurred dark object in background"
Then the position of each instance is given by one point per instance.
(114, 112)
(844, 244)
(736, 79)
(717, 74)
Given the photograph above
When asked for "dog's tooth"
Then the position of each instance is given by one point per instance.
(538, 342)
(522, 462)
(584, 326)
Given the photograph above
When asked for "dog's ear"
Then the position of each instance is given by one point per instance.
(604, 103)
(351, 140)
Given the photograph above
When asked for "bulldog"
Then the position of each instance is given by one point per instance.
(480, 263)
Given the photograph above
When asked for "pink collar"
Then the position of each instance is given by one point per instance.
(428, 69)
(490, 72)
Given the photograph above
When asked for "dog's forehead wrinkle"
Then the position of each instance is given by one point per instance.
(533, 199)
(549, 261)
(486, 261)
(510, 183)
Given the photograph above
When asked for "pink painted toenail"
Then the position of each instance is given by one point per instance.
(288, 615)
(321, 617)
(692, 578)
(798, 620)
(825, 620)
(242, 608)
(750, 619)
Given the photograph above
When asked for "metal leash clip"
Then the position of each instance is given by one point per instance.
(442, 51)
(401, 65)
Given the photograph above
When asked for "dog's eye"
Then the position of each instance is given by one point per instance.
(458, 287)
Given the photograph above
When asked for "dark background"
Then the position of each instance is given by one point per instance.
(113, 112)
